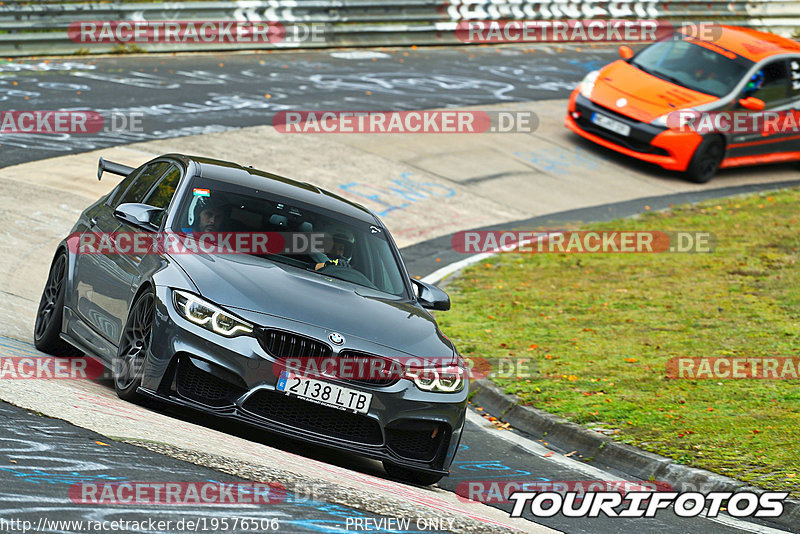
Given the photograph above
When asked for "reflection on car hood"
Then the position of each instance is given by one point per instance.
(648, 97)
(263, 286)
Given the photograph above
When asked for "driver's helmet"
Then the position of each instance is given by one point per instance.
(343, 245)
(755, 83)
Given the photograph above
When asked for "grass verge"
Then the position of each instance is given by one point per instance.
(600, 328)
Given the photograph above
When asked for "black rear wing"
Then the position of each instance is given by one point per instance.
(113, 168)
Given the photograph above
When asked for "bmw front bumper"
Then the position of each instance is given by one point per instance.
(235, 378)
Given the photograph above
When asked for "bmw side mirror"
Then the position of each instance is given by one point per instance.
(142, 215)
(625, 52)
(752, 103)
(431, 297)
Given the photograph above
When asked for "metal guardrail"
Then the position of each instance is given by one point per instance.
(41, 28)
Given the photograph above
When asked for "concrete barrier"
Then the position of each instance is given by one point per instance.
(42, 29)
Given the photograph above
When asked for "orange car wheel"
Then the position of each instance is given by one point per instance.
(706, 159)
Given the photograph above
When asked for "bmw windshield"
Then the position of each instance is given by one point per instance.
(693, 66)
(354, 250)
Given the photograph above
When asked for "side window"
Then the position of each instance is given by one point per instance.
(144, 182)
(162, 194)
(123, 186)
(770, 83)
(794, 76)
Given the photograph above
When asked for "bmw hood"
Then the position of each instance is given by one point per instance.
(262, 286)
(625, 89)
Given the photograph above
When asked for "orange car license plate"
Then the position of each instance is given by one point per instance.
(611, 124)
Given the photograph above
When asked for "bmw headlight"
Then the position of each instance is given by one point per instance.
(448, 379)
(587, 85)
(208, 316)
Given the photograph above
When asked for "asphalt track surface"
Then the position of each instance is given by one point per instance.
(183, 95)
(41, 458)
(194, 94)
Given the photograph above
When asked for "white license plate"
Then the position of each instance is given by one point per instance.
(610, 124)
(321, 392)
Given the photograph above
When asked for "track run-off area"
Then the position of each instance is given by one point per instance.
(424, 186)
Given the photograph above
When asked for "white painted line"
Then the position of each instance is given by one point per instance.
(540, 450)
(598, 474)
(438, 275)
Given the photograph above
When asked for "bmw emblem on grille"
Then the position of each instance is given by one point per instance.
(622, 102)
(336, 338)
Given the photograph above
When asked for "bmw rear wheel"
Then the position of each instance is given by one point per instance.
(129, 363)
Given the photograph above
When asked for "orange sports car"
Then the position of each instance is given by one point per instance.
(628, 105)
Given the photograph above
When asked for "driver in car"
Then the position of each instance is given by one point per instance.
(210, 215)
(341, 253)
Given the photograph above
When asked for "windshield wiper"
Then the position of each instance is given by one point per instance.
(329, 275)
(277, 258)
(669, 78)
(659, 74)
(640, 67)
(319, 272)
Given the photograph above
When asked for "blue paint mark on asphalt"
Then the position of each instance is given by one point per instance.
(19, 346)
(400, 194)
(38, 476)
(493, 466)
(559, 161)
